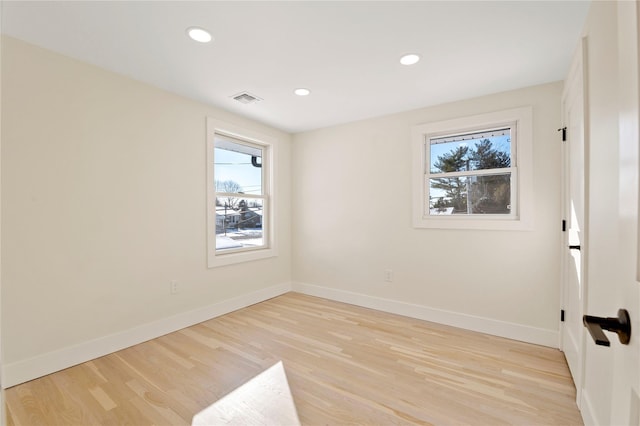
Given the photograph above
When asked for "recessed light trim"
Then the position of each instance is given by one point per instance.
(199, 34)
(410, 59)
(301, 91)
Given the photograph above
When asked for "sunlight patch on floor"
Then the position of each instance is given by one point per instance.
(265, 399)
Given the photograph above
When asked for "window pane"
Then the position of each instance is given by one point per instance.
(238, 167)
(239, 223)
(475, 151)
(487, 194)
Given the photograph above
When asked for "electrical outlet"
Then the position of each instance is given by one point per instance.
(388, 275)
(174, 288)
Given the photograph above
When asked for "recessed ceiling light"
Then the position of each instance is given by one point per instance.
(410, 59)
(302, 91)
(199, 34)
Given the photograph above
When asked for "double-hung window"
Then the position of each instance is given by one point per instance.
(474, 172)
(239, 195)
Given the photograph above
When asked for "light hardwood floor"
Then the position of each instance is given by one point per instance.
(345, 365)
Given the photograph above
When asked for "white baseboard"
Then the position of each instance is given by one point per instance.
(50, 362)
(523, 333)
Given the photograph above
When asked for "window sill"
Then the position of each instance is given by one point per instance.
(480, 223)
(240, 257)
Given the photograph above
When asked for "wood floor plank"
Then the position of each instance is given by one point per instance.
(345, 365)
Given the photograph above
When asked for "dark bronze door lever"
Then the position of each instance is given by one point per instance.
(621, 325)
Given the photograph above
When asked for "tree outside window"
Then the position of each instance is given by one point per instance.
(471, 173)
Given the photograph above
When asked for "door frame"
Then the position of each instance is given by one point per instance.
(578, 65)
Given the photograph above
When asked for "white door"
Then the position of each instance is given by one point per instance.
(574, 278)
(625, 402)
(611, 375)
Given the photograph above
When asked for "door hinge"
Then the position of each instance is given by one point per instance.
(561, 315)
(564, 225)
(564, 133)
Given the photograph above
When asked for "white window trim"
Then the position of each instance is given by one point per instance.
(523, 221)
(269, 231)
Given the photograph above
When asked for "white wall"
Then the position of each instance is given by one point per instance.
(352, 219)
(104, 202)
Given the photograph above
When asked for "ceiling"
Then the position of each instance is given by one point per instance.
(346, 52)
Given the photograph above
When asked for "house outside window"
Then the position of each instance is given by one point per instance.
(474, 172)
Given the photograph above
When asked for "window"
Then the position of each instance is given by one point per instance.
(474, 172)
(240, 196)
(240, 200)
(471, 173)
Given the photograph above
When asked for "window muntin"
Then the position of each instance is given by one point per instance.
(240, 195)
(471, 173)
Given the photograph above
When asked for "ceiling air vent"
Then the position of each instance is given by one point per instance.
(246, 98)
